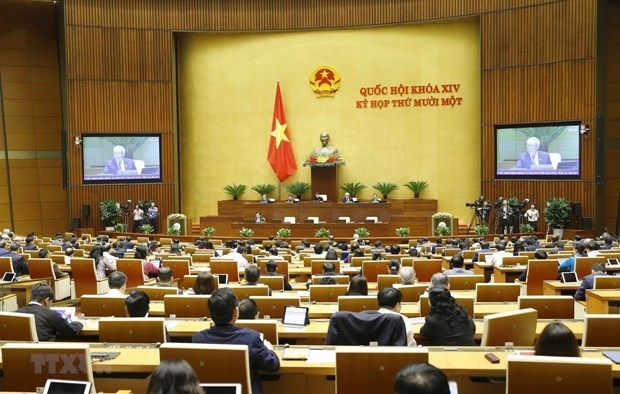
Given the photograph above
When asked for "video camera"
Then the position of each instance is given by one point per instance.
(475, 204)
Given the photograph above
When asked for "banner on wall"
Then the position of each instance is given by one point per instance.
(280, 154)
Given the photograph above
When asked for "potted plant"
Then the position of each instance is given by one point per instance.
(385, 188)
(246, 232)
(322, 233)
(442, 229)
(556, 214)
(362, 232)
(109, 210)
(175, 229)
(208, 231)
(264, 188)
(284, 232)
(235, 190)
(481, 229)
(146, 228)
(353, 188)
(403, 231)
(120, 227)
(526, 228)
(177, 218)
(416, 187)
(298, 188)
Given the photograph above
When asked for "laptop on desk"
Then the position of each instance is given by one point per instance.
(9, 277)
(57, 386)
(221, 388)
(569, 277)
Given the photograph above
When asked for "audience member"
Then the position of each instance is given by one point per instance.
(205, 283)
(390, 300)
(394, 266)
(45, 254)
(137, 304)
(407, 275)
(358, 286)
(421, 378)
(588, 281)
(557, 340)
(150, 270)
(19, 265)
(439, 280)
(248, 309)
(174, 377)
(457, 262)
(272, 267)
(539, 254)
(447, 323)
(252, 275)
(117, 281)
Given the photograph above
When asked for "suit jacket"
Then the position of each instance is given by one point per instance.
(586, 283)
(344, 199)
(261, 358)
(111, 167)
(438, 332)
(525, 161)
(19, 265)
(361, 328)
(287, 286)
(49, 323)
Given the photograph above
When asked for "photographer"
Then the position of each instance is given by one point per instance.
(484, 212)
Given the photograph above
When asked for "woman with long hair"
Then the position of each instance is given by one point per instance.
(205, 283)
(557, 340)
(447, 323)
(358, 286)
(174, 377)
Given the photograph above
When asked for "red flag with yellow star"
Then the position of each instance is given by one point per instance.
(280, 154)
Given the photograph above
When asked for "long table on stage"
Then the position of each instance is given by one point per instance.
(325, 211)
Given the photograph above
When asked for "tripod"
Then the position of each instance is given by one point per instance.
(475, 219)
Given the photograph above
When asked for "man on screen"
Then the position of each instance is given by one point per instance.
(533, 155)
(118, 162)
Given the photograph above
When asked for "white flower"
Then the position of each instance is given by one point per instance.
(441, 224)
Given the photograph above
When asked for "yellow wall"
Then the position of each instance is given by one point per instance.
(226, 94)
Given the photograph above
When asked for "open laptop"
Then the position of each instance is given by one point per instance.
(67, 312)
(569, 277)
(221, 388)
(9, 277)
(222, 279)
(613, 261)
(57, 386)
(296, 316)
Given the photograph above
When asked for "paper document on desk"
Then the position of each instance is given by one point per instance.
(322, 356)
(417, 320)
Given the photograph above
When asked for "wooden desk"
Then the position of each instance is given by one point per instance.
(485, 269)
(508, 273)
(556, 287)
(23, 290)
(325, 211)
(597, 301)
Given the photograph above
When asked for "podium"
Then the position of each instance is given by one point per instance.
(324, 180)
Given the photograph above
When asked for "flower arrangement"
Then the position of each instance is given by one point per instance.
(324, 160)
(442, 216)
(146, 228)
(322, 233)
(284, 232)
(246, 232)
(175, 229)
(481, 229)
(176, 216)
(362, 232)
(442, 229)
(403, 231)
(208, 231)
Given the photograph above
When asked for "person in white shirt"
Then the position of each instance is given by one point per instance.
(497, 258)
(240, 256)
(117, 281)
(532, 215)
(138, 215)
(390, 300)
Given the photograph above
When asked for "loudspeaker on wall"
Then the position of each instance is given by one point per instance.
(85, 209)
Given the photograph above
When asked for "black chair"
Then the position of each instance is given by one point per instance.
(362, 328)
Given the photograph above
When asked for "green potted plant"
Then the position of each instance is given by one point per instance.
(442, 229)
(385, 188)
(284, 232)
(177, 218)
(403, 231)
(322, 233)
(556, 214)
(246, 232)
(526, 228)
(481, 229)
(298, 188)
(362, 232)
(353, 188)
(174, 230)
(208, 231)
(120, 227)
(235, 190)
(109, 210)
(146, 228)
(416, 187)
(264, 188)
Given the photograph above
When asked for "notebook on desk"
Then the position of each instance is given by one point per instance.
(57, 386)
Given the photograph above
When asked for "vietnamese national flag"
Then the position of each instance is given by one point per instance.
(280, 153)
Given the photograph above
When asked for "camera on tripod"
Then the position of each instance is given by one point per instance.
(475, 204)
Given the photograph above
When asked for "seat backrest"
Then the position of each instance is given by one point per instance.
(157, 293)
(358, 303)
(212, 363)
(370, 269)
(606, 282)
(179, 268)
(274, 282)
(281, 268)
(464, 301)
(364, 328)
(6, 265)
(84, 276)
(274, 306)
(515, 260)
(27, 366)
(425, 269)
(384, 281)
(228, 267)
(316, 266)
(243, 292)
(357, 261)
(412, 293)
(340, 279)
(132, 330)
(200, 257)
(103, 306)
(327, 293)
(40, 268)
(134, 271)
(539, 271)
(465, 282)
(600, 330)
(517, 327)
(17, 327)
(187, 305)
(550, 307)
(545, 374)
(498, 292)
(583, 265)
(269, 328)
(372, 369)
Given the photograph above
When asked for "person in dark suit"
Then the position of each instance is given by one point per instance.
(421, 378)
(49, 323)
(317, 197)
(588, 281)
(258, 218)
(347, 198)
(223, 306)
(533, 155)
(272, 266)
(19, 265)
(118, 162)
(447, 323)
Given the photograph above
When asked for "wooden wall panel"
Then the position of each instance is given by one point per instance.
(612, 124)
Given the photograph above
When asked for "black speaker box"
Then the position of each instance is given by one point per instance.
(85, 209)
(76, 223)
(587, 224)
(576, 208)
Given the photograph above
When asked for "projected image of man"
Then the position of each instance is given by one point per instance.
(533, 156)
(118, 162)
